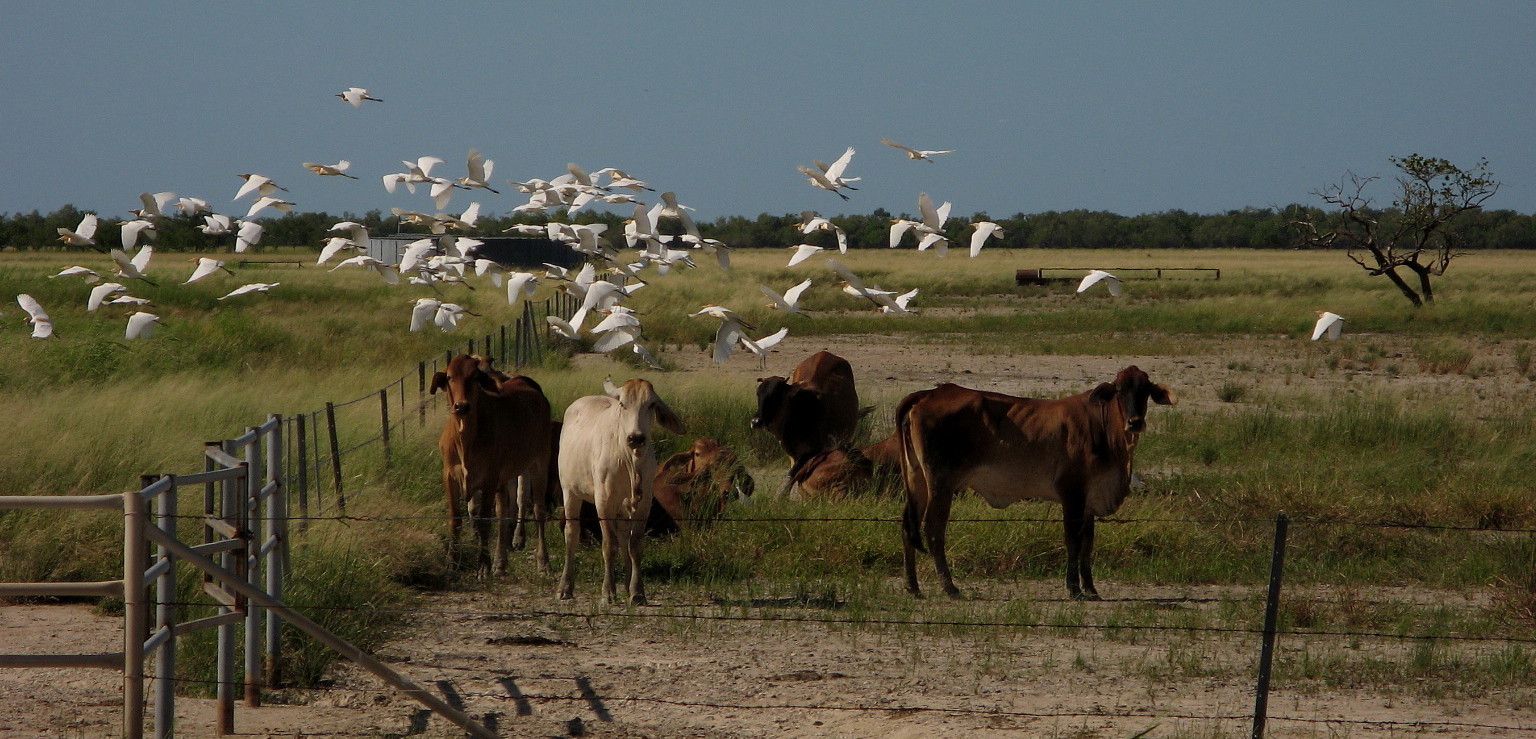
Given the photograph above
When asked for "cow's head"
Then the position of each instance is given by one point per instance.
(465, 378)
(1133, 388)
(772, 395)
(639, 406)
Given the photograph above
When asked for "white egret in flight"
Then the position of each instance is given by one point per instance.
(1328, 323)
(916, 154)
(356, 96)
(1094, 277)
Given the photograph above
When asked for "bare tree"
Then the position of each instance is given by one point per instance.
(1417, 234)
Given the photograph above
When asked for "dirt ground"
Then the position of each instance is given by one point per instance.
(538, 676)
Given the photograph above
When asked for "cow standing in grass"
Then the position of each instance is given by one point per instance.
(497, 432)
(1075, 450)
(607, 459)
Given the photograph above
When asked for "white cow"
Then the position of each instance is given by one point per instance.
(606, 458)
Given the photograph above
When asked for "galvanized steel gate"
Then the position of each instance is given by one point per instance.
(242, 555)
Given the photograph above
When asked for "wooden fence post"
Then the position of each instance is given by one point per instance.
(224, 710)
(384, 421)
(1271, 613)
(330, 423)
(421, 393)
(303, 469)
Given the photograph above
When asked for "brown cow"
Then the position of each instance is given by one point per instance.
(695, 486)
(1074, 450)
(836, 473)
(692, 486)
(497, 431)
(815, 410)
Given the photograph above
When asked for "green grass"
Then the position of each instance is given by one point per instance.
(89, 412)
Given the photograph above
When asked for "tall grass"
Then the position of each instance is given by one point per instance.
(88, 412)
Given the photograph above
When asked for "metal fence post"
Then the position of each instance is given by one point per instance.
(277, 560)
(250, 514)
(224, 708)
(330, 423)
(1271, 613)
(165, 618)
(384, 421)
(135, 613)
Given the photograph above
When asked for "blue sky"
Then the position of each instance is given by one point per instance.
(1126, 107)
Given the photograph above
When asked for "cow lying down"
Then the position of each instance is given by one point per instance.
(691, 488)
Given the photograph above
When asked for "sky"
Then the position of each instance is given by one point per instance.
(1129, 107)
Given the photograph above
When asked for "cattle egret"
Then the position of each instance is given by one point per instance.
(423, 311)
(193, 206)
(899, 228)
(767, 342)
(333, 246)
(520, 285)
(88, 275)
(479, 171)
(563, 327)
(42, 325)
(205, 267)
(830, 176)
(216, 224)
(1110, 281)
(916, 154)
(448, 314)
(259, 184)
(133, 269)
(984, 230)
(1328, 323)
(248, 236)
(356, 96)
(83, 234)
(254, 287)
(266, 201)
(131, 229)
(338, 169)
(141, 325)
(395, 178)
(933, 220)
(129, 300)
(789, 302)
(669, 207)
(618, 330)
(388, 272)
(415, 252)
(899, 303)
(809, 222)
(802, 253)
(100, 293)
(153, 204)
(718, 248)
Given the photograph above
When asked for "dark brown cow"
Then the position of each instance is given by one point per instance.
(814, 410)
(836, 473)
(497, 431)
(1074, 450)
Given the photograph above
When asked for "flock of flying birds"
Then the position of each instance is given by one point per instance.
(443, 257)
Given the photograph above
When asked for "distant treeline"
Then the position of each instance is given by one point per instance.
(1248, 228)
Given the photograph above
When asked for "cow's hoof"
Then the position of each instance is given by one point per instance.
(953, 593)
(638, 600)
(565, 596)
(1090, 595)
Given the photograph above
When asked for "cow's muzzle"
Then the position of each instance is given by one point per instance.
(756, 422)
(1135, 424)
(460, 409)
(635, 441)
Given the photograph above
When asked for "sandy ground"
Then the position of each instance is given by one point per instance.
(539, 676)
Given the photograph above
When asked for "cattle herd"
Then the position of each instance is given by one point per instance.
(506, 460)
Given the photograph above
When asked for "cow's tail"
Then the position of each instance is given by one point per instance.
(912, 475)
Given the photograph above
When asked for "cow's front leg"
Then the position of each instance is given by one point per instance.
(1077, 528)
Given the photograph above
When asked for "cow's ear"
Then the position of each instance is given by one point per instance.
(668, 419)
(1163, 396)
(439, 382)
(1104, 393)
(487, 382)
